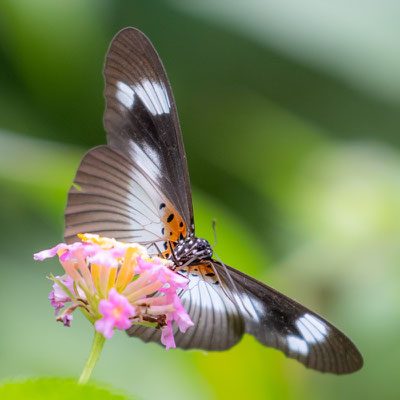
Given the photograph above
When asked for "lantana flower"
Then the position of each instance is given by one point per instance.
(116, 311)
(116, 285)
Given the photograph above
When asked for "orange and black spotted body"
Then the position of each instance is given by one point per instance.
(186, 247)
(174, 227)
(203, 271)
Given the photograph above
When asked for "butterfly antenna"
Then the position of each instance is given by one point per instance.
(214, 222)
(187, 263)
(160, 254)
(228, 295)
(173, 254)
(234, 286)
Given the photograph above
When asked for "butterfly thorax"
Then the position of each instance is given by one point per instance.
(192, 249)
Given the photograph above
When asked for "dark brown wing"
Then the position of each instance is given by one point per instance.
(141, 118)
(272, 318)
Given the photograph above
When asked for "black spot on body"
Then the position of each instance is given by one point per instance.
(181, 224)
(216, 283)
(162, 231)
(166, 255)
(210, 274)
(162, 205)
(194, 274)
(181, 236)
(170, 217)
(165, 245)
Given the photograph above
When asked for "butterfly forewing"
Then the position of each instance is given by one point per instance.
(141, 118)
(143, 194)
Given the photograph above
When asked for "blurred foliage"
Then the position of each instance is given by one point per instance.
(54, 388)
(299, 165)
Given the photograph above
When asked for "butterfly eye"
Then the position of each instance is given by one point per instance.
(201, 246)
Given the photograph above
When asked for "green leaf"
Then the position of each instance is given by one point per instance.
(56, 388)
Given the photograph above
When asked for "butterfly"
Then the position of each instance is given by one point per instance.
(137, 189)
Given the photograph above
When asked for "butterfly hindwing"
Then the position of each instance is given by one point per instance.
(218, 324)
(141, 118)
(225, 303)
(277, 321)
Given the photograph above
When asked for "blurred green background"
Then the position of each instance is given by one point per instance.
(290, 114)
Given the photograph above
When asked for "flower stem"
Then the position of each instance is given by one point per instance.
(97, 345)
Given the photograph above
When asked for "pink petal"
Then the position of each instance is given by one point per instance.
(180, 316)
(167, 336)
(58, 297)
(119, 251)
(42, 255)
(144, 266)
(66, 319)
(115, 298)
(123, 323)
(105, 327)
(105, 307)
(56, 303)
(69, 284)
(103, 257)
(110, 319)
(87, 250)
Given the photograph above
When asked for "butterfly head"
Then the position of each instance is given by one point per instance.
(192, 249)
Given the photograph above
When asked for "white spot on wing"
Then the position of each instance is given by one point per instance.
(147, 158)
(154, 97)
(163, 97)
(320, 325)
(125, 95)
(311, 328)
(297, 344)
(146, 100)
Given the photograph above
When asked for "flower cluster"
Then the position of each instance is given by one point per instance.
(117, 285)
